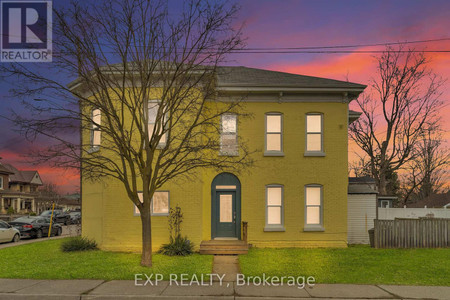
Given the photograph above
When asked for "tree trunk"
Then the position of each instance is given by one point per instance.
(146, 220)
(382, 184)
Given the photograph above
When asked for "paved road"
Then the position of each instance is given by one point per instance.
(70, 230)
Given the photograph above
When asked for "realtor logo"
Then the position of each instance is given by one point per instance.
(26, 30)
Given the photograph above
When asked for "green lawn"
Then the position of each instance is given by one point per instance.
(45, 260)
(357, 264)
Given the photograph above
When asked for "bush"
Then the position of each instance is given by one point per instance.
(11, 210)
(178, 246)
(78, 244)
(32, 214)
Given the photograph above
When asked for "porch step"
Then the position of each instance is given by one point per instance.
(224, 247)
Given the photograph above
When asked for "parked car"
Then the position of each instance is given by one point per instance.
(75, 217)
(8, 233)
(35, 227)
(58, 216)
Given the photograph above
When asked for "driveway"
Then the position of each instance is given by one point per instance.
(69, 230)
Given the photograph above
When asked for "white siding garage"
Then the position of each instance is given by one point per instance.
(362, 201)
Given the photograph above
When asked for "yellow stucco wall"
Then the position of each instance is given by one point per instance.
(108, 213)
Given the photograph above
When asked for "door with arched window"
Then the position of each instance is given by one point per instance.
(226, 206)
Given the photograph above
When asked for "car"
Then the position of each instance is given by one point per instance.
(59, 216)
(8, 233)
(75, 217)
(35, 227)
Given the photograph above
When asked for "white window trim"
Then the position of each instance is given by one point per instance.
(385, 201)
(314, 153)
(224, 153)
(136, 212)
(314, 227)
(94, 128)
(273, 152)
(274, 227)
(161, 145)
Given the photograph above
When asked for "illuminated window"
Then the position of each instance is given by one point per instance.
(153, 107)
(274, 133)
(95, 129)
(228, 135)
(274, 207)
(1, 182)
(313, 206)
(314, 133)
(159, 204)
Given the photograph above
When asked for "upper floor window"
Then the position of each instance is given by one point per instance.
(1, 182)
(274, 134)
(314, 133)
(228, 135)
(153, 107)
(159, 204)
(274, 208)
(313, 207)
(95, 129)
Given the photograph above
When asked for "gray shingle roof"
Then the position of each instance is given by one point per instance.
(246, 77)
(19, 176)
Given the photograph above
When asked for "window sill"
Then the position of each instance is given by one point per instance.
(274, 228)
(266, 153)
(319, 153)
(313, 228)
(228, 154)
(94, 149)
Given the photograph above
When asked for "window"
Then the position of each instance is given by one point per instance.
(313, 207)
(95, 130)
(274, 208)
(159, 205)
(153, 107)
(314, 133)
(274, 134)
(228, 136)
(384, 203)
(1, 182)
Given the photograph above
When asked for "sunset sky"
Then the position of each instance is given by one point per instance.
(299, 24)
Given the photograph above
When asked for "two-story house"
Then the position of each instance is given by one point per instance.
(18, 189)
(294, 196)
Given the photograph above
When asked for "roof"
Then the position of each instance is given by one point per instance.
(433, 201)
(244, 77)
(364, 179)
(4, 170)
(360, 189)
(252, 77)
(22, 176)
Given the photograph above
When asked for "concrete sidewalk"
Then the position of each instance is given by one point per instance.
(121, 289)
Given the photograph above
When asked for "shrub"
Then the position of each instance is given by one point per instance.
(10, 210)
(178, 246)
(32, 213)
(78, 244)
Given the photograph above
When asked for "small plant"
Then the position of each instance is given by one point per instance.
(10, 210)
(32, 214)
(177, 245)
(78, 244)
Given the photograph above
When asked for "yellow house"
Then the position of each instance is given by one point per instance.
(295, 195)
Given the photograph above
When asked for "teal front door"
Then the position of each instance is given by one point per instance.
(225, 214)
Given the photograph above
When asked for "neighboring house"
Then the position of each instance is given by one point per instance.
(433, 201)
(295, 196)
(18, 189)
(362, 208)
(386, 201)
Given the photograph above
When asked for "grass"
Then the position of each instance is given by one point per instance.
(356, 264)
(45, 260)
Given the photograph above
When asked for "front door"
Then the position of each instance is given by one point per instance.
(225, 216)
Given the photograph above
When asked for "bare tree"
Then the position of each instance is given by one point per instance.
(125, 54)
(425, 174)
(402, 103)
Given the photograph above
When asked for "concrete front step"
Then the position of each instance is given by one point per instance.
(224, 247)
